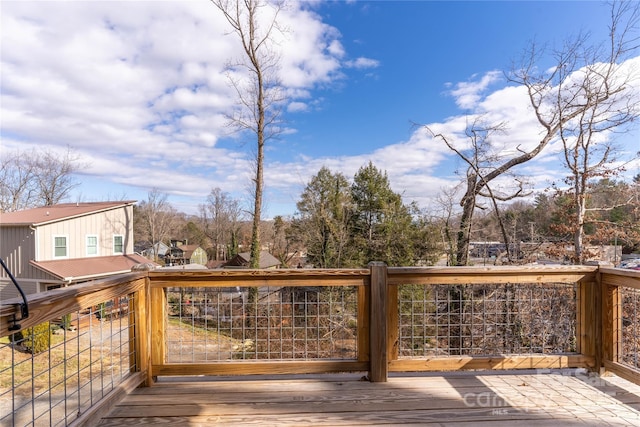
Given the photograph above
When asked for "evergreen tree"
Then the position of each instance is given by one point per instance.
(382, 225)
(322, 224)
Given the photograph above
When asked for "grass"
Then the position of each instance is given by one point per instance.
(50, 367)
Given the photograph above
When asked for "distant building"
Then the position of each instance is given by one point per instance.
(159, 250)
(65, 244)
(242, 260)
(179, 253)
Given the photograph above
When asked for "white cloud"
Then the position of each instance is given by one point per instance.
(467, 94)
(138, 89)
(295, 107)
(362, 63)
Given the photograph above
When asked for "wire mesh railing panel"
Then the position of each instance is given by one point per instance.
(50, 374)
(630, 299)
(486, 319)
(261, 323)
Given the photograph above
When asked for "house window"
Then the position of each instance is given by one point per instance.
(92, 245)
(118, 245)
(60, 247)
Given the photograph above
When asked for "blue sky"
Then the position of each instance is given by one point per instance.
(138, 90)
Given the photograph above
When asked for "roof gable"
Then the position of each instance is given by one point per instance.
(55, 213)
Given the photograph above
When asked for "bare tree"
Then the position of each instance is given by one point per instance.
(483, 166)
(259, 98)
(220, 217)
(157, 219)
(36, 178)
(54, 176)
(584, 80)
(602, 89)
(445, 215)
(17, 189)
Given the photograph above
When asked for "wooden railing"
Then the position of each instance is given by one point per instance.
(381, 319)
(251, 319)
(95, 351)
(618, 348)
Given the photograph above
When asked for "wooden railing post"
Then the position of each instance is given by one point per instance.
(158, 328)
(589, 321)
(379, 365)
(612, 323)
(143, 337)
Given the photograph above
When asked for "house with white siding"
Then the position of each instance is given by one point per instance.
(66, 244)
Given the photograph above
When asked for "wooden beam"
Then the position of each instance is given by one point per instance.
(363, 322)
(589, 320)
(45, 306)
(158, 320)
(143, 335)
(458, 363)
(378, 370)
(621, 277)
(624, 371)
(493, 274)
(260, 367)
(246, 277)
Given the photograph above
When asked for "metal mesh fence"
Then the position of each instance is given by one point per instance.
(52, 373)
(630, 326)
(261, 323)
(469, 320)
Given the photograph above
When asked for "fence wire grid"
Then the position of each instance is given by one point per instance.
(261, 323)
(630, 327)
(52, 373)
(486, 319)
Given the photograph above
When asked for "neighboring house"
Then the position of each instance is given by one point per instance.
(242, 260)
(181, 254)
(65, 244)
(159, 249)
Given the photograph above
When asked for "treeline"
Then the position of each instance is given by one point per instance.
(342, 223)
(338, 223)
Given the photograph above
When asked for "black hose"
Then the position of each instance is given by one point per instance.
(24, 307)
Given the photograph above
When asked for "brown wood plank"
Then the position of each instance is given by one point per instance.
(96, 412)
(46, 306)
(142, 335)
(247, 277)
(620, 277)
(378, 365)
(158, 327)
(475, 417)
(463, 398)
(363, 323)
(455, 363)
(493, 274)
(347, 383)
(258, 368)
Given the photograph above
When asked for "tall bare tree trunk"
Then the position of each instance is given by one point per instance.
(259, 102)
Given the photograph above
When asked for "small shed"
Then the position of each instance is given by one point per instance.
(242, 260)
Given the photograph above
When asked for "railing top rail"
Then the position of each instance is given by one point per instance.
(620, 277)
(620, 271)
(48, 305)
(250, 277)
(491, 274)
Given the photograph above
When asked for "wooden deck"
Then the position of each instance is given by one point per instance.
(524, 398)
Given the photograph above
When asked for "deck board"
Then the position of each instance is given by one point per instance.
(526, 398)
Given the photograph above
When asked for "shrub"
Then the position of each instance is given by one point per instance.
(65, 322)
(38, 338)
